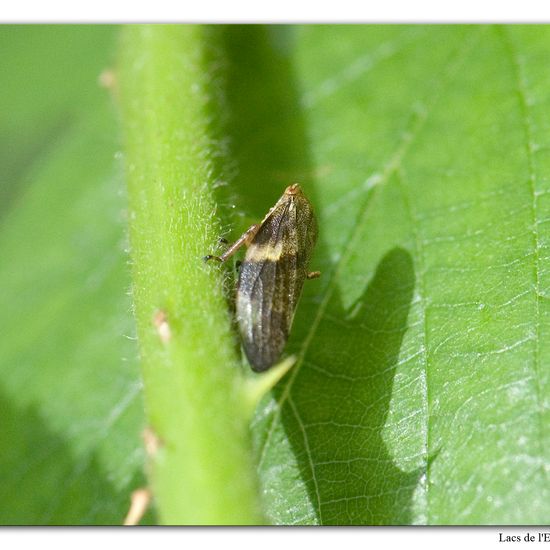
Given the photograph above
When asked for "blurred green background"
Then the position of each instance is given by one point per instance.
(71, 407)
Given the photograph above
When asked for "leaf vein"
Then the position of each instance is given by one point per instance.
(516, 63)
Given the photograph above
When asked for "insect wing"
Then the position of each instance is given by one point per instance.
(272, 277)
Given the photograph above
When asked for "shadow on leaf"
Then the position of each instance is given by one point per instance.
(265, 123)
(43, 483)
(337, 409)
(339, 403)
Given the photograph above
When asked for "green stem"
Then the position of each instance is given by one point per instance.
(203, 472)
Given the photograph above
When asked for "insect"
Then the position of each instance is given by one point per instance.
(272, 275)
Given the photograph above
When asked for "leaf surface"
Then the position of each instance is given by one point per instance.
(421, 389)
(421, 393)
(70, 391)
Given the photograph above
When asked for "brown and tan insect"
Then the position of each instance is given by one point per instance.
(272, 275)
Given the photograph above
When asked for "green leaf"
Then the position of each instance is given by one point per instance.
(70, 391)
(420, 393)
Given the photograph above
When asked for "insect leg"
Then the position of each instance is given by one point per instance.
(245, 239)
(313, 274)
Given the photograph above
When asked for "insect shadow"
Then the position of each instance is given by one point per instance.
(338, 406)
